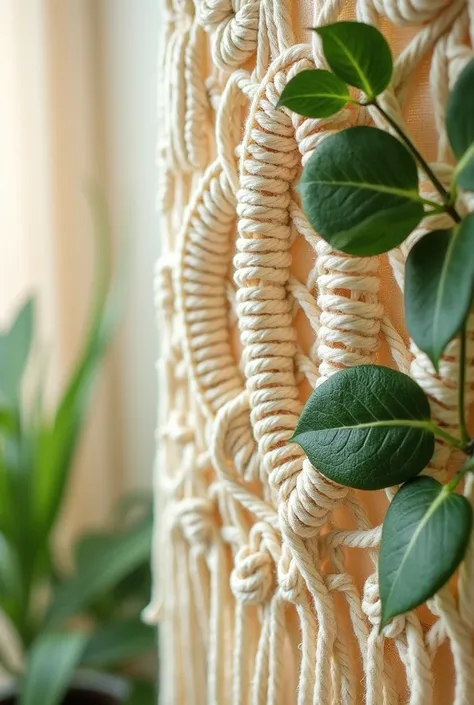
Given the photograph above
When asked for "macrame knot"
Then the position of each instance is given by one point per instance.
(410, 12)
(372, 607)
(164, 297)
(211, 13)
(235, 39)
(290, 580)
(195, 519)
(253, 575)
(177, 428)
(240, 445)
(313, 500)
(234, 33)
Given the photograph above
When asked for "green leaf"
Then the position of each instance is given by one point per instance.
(315, 93)
(51, 664)
(10, 575)
(439, 286)
(460, 126)
(367, 427)
(15, 347)
(359, 191)
(358, 54)
(57, 442)
(424, 538)
(142, 693)
(105, 567)
(119, 641)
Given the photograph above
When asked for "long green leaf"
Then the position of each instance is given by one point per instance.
(367, 427)
(119, 641)
(315, 93)
(15, 347)
(439, 287)
(424, 538)
(460, 126)
(142, 693)
(358, 54)
(51, 664)
(58, 442)
(105, 567)
(359, 191)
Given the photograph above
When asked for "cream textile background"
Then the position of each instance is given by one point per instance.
(78, 99)
(267, 590)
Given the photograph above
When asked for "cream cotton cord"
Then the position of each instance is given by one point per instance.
(255, 592)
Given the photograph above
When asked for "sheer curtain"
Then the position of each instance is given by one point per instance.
(78, 107)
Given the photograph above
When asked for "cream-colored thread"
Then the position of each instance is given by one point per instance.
(249, 569)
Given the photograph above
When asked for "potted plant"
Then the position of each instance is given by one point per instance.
(65, 638)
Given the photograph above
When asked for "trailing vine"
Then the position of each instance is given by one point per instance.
(369, 427)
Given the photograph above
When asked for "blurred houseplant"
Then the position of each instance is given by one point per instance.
(53, 625)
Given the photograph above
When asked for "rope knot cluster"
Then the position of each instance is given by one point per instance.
(256, 310)
(253, 575)
(410, 12)
(196, 520)
(290, 581)
(313, 500)
(372, 607)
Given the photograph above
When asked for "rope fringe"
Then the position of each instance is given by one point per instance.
(253, 581)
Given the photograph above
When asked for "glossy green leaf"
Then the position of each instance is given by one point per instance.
(367, 427)
(359, 191)
(15, 347)
(315, 93)
(51, 664)
(358, 54)
(105, 567)
(424, 538)
(460, 126)
(439, 286)
(119, 641)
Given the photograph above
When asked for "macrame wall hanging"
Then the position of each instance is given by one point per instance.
(265, 572)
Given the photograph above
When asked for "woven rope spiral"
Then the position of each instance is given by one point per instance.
(265, 571)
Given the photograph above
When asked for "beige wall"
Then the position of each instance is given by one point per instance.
(78, 107)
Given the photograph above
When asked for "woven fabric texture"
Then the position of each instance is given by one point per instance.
(265, 572)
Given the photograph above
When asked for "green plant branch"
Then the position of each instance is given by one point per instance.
(465, 468)
(461, 388)
(445, 195)
(438, 207)
(441, 433)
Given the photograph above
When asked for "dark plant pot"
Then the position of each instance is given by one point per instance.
(87, 688)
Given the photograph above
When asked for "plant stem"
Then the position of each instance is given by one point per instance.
(461, 387)
(448, 206)
(441, 433)
(454, 482)
(437, 207)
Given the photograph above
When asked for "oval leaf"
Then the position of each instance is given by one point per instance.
(315, 94)
(367, 427)
(359, 191)
(460, 126)
(358, 54)
(439, 287)
(424, 538)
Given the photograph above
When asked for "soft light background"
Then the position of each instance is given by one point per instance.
(77, 108)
